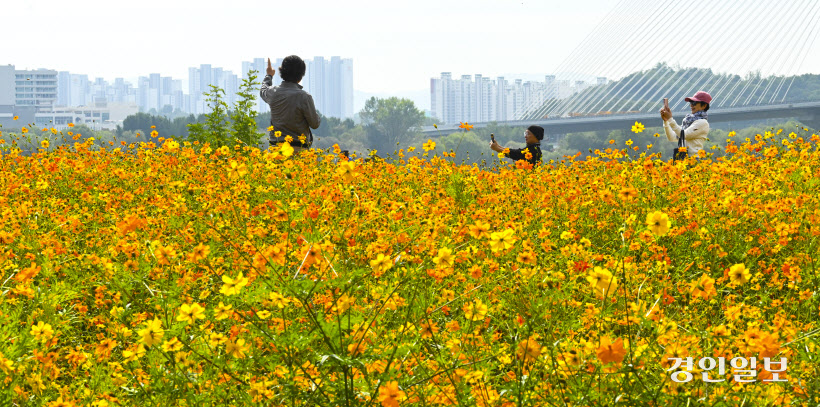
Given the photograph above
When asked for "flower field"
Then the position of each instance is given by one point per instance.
(173, 274)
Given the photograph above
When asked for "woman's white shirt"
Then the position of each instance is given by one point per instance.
(695, 134)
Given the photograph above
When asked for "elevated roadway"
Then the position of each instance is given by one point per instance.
(807, 112)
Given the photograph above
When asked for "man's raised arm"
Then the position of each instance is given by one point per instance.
(267, 82)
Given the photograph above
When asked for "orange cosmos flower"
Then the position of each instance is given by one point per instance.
(390, 395)
(704, 287)
(611, 351)
(528, 350)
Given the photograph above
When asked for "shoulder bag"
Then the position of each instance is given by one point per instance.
(677, 154)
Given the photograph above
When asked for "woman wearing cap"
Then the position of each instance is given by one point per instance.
(695, 125)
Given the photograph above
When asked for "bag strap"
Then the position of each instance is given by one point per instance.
(682, 139)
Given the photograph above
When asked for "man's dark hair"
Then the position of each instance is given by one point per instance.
(292, 69)
(537, 131)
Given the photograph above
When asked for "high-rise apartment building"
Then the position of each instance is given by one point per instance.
(7, 85)
(45, 97)
(330, 81)
(32, 88)
(200, 81)
(480, 99)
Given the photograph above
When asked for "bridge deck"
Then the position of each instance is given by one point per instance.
(806, 110)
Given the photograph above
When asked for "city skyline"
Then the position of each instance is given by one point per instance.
(421, 97)
(328, 79)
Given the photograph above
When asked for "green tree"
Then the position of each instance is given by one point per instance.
(243, 117)
(215, 128)
(390, 121)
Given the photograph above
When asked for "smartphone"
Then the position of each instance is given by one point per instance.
(492, 137)
(666, 103)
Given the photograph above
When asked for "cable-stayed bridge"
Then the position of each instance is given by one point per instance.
(745, 53)
(807, 112)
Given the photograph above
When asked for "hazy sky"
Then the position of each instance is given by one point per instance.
(397, 46)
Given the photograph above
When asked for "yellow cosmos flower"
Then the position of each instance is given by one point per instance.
(133, 354)
(285, 150)
(500, 241)
(152, 333)
(237, 349)
(445, 257)
(658, 223)
(347, 170)
(42, 331)
(381, 263)
(233, 286)
(278, 300)
(602, 281)
(429, 145)
(223, 311)
(739, 274)
(475, 311)
(172, 345)
(637, 128)
(528, 350)
(190, 313)
(704, 287)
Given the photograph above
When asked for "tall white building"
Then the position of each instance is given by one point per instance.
(480, 99)
(199, 81)
(7, 85)
(31, 88)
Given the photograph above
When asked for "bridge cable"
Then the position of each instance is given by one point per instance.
(734, 78)
(607, 42)
(780, 57)
(772, 62)
(739, 20)
(614, 66)
(607, 101)
(586, 54)
(579, 102)
(689, 87)
(628, 58)
(581, 51)
(771, 39)
(738, 80)
(650, 80)
(804, 58)
(796, 61)
(675, 89)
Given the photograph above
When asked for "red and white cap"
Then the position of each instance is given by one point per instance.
(701, 96)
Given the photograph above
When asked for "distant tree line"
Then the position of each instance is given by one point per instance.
(386, 126)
